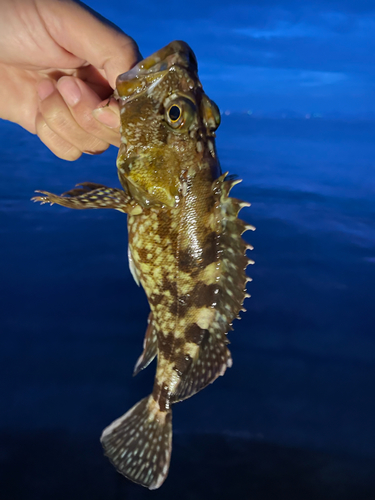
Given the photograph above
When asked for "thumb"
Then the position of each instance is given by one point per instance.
(90, 37)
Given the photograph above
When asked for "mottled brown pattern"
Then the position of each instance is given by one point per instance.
(187, 262)
(204, 295)
(167, 284)
(156, 393)
(169, 344)
(201, 295)
(209, 249)
(185, 247)
(181, 362)
(195, 335)
(156, 299)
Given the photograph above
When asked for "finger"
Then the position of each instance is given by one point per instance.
(108, 112)
(88, 74)
(60, 120)
(82, 101)
(54, 142)
(83, 33)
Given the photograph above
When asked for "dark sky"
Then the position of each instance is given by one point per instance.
(310, 57)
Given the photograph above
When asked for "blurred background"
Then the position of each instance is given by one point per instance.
(294, 417)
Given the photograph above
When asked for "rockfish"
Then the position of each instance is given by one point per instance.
(185, 247)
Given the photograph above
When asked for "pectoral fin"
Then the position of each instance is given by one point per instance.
(91, 195)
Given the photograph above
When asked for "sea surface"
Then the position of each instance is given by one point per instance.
(292, 419)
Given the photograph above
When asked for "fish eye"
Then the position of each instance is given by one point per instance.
(180, 113)
(174, 113)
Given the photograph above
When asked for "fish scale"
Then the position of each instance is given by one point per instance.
(185, 247)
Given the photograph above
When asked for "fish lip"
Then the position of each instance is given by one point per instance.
(151, 70)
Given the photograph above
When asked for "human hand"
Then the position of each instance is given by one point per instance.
(58, 62)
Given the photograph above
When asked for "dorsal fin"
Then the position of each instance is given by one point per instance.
(213, 356)
(232, 278)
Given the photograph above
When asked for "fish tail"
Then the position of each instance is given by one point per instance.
(139, 443)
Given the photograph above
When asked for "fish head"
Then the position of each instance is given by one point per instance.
(167, 126)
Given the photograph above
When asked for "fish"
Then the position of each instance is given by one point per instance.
(185, 247)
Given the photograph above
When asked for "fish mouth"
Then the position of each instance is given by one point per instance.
(149, 72)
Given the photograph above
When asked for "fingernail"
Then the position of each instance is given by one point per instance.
(69, 90)
(45, 88)
(107, 117)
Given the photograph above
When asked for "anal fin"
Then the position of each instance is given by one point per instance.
(150, 347)
(132, 267)
(91, 195)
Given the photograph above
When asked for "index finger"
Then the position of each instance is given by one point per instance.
(87, 35)
(82, 101)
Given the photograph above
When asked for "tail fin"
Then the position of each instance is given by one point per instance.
(139, 443)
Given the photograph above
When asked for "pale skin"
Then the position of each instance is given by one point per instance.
(58, 67)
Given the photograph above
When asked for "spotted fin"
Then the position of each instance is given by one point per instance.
(91, 195)
(150, 347)
(232, 278)
(213, 357)
(139, 443)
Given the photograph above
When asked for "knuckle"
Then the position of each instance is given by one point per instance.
(96, 145)
(63, 124)
(59, 146)
(55, 116)
(92, 126)
(87, 121)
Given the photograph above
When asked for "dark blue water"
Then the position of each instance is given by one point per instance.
(294, 416)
